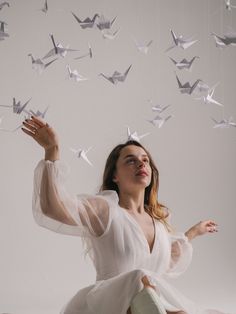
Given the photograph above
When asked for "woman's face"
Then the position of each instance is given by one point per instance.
(133, 170)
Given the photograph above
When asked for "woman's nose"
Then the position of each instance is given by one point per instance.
(140, 164)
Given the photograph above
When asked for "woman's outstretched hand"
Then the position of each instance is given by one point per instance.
(44, 135)
(201, 228)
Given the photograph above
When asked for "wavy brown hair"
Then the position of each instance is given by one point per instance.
(151, 204)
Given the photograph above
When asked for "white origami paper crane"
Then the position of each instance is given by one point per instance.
(4, 3)
(38, 113)
(86, 23)
(202, 87)
(117, 76)
(103, 23)
(228, 39)
(134, 135)
(228, 5)
(184, 43)
(17, 107)
(81, 153)
(3, 34)
(187, 88)
(106, 34)
(143, 48)
(184, 64)
(158, 108)
(88, 54)
(75, 75)
(208, 99)
(38, 64)
(58, 49)
(224, 123)
(159, 121)
(218, 42)
(45, 7)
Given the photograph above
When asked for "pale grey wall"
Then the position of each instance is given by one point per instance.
(40, 270)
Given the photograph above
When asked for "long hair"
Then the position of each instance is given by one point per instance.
(151, 204)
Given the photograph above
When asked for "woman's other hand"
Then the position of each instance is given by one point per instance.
(44, 135)
(201, 228)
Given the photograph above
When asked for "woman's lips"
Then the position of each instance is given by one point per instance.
(142, 173)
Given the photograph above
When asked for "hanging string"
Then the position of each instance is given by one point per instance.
(208, 34)
(157, 42)
(182, 20)
(138, 16)
(222, 81)
(231, 17)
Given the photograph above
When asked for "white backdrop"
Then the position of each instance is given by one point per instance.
(40, 270)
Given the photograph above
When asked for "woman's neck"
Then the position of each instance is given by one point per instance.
(133, 202)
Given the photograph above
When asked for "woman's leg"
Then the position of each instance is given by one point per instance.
(147, 284)
(180, 312)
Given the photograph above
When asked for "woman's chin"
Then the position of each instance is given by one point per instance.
(142, 181)
(143, 178)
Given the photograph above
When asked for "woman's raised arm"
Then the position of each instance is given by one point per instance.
(53, 206)
(46, 137)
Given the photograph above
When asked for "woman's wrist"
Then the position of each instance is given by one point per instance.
(52, 153)
(191, 233)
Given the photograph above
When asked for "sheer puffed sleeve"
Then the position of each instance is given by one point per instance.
(54, 208)
(181, 254)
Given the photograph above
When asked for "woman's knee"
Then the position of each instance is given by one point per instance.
(146, 282)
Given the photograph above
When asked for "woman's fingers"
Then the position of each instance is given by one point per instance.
(34, 124)
(41, 132)
(208, 226)
(38, 121)
(212, 222)
(31, 126)
(212, 227)
(212, 230)
(28, 132)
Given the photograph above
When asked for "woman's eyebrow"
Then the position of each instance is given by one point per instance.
(131, 155)
(127, 156)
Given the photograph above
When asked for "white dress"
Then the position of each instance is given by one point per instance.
(120, 253)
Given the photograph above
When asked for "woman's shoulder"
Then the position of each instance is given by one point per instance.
(112, 199)
(109, 195)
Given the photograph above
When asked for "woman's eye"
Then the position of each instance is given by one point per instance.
(146, 161)
(130, 161)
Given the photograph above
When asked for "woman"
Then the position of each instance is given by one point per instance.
(124, 227)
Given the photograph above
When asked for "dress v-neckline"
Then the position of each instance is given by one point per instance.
(150, 249)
